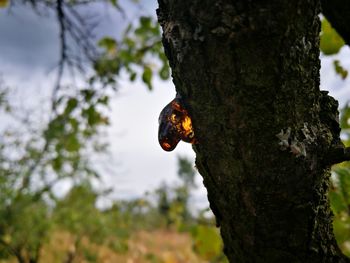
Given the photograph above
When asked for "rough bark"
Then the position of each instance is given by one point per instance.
(338, 14)
(249, 74)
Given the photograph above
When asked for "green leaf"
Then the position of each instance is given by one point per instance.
(147, 76)
(126, 56)
(72, 144)
(71, 105)
(132, 76)
(331, 42)
(92, 115)
(341, 227)
(207, 250)
(55, 128)
(109, 44)
(74, 123)
(337, 202)
(145, 26)
(57, 164)
(342, 72)
(88, 94)
(103, 100)
(145, 21)
(344, 117)
(344, 183)
(164, 72)
(130, 42)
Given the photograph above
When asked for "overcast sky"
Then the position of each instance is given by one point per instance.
(29, 50)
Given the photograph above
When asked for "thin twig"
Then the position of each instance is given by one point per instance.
(63, 47)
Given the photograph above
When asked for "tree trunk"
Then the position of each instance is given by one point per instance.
(249, 74)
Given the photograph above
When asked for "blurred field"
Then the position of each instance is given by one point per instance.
(160, 246)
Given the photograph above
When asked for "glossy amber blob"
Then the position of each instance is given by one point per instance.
(174, 125)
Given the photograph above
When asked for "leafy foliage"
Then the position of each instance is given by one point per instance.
(339, 69)
(24, 224)
(339, 193)
(32, 165)
(173, 202)
(331, 42)
(137, 53)
(211, 251)
(60, 147)
(76, 213)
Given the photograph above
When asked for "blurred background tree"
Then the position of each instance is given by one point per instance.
(35, 224)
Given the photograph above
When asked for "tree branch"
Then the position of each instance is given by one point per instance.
(28, 175)
(63, 47)
(338, 14)
(73, 27)
(338, 155)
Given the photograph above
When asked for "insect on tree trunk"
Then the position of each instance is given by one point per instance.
(248, 72)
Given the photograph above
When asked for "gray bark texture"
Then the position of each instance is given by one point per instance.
(249, 74)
